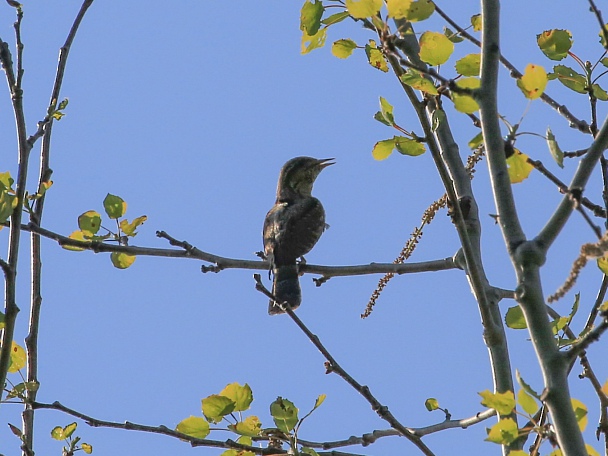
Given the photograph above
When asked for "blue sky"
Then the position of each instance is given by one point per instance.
(187, 110)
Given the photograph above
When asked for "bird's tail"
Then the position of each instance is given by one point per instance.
(285, 287)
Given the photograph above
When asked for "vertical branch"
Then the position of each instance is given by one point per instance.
(460, 193)
(527, 256)
(24, 148)
(31, 341)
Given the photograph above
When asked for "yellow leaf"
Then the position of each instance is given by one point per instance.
(383, 149)
(476, 22)
(504, 432)
(17, 358)
(503, 403)
(533, 82)
(194, 426)
(527, 402)
(466, 103)
(519, 168)
(435, 48)
(122, 260)
(605, 388)
(77, 236)
(591, 451)
(363, 8)
(602, 263)
(88, 449)
(398, 9)
(343, 48)
(313, 42)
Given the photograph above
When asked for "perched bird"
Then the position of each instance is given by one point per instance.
(292, 227)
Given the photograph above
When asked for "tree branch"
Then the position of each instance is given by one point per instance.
(332, 366)
(191, 252)
(127, 425)
(574, 122)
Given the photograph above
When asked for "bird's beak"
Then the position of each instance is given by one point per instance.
(325, 162)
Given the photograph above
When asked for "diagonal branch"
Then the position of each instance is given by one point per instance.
(332, 366)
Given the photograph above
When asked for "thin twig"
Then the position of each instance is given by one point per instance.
(195, 442)
(332, 366)
(580, 125)
(221, 262)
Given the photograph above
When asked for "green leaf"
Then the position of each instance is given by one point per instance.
(476, 141)
(504, 432)
(129, 228)
(599, 93)
(406, 146)
(363, 8)
(250, 427)
(343, 48)
(515, 318)
(527, 402)
(194, 426)
(525, 386)
(570, 78)
(555, 43)
(122, 260)
(309, 451)
(469, 65)
(114, 206)
(437, 118)
(580, 411)
(8, 203)
(242, 396)
(63, 104)
(435, 48)
(452, 36)
(216, 407)
(310, 17)
(311, 42)
(59, 433)
(2, 322)
(431, 404)
(476, 22)
(417, 81)
(602, 263)
(602, 39)
(385, 115)
(533, 82)
(284, 414)
(89, 222)
(375, 56)
(383, 149)
(335, 18)
(463, 102)
(554, 148)
(503, 403)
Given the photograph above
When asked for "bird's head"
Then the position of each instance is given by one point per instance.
(298, 175)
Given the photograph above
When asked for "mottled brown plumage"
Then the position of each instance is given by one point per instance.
(292, 227)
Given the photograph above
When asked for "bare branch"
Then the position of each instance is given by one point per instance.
(192, 252)
(332, 366)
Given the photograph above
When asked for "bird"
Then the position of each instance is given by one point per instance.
(292, 227)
